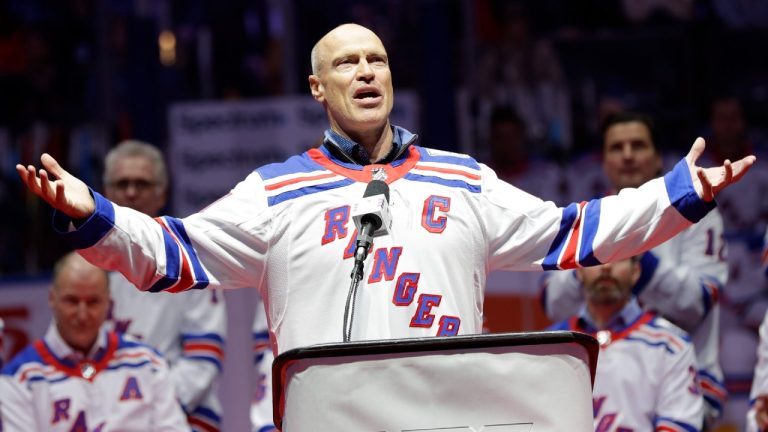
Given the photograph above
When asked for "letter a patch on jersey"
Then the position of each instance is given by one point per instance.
(131, 390)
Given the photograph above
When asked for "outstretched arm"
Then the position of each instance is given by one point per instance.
(709, 181)
(158, 254)
(66, 193)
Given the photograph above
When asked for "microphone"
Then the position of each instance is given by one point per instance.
(372, 219)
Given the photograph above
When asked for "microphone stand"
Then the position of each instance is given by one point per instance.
(364, 241)
(349, 308)
(371, 219)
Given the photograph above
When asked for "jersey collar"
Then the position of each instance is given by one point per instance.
(56, 352)
(62, 350)
(351, 152)
(626, 316)
(331, 157)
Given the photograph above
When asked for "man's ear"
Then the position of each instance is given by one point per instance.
(316, 87)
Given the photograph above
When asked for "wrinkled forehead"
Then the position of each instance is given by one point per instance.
(80, 279)
(347, 41)
(96, 290)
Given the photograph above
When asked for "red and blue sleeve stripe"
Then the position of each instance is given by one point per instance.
(204, 419)
(574, 243)
(260, 345)
(205, 347)
(183, 268)
(666, 424)
(713, 389)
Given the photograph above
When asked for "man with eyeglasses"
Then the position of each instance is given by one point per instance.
(188, 328)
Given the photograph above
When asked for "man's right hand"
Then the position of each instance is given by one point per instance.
(68, 194)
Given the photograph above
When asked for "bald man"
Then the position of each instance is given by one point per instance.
(288, 228)
(80, 377)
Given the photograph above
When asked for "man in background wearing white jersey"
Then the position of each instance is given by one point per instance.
(189, 328)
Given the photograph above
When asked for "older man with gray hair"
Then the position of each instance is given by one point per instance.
(189, 328)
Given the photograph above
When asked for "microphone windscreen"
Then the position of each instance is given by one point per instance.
(377, 187)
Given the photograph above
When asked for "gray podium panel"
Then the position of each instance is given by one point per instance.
(527, 382)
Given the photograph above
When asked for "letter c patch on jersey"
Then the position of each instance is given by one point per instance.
(429, 219)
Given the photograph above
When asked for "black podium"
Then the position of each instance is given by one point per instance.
(532, 382)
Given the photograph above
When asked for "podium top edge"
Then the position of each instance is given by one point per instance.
(417, 345)
(437, 343)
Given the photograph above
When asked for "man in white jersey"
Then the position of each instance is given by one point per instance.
(745, 216)
(757, 416)
(646, 377)
(189, 329)
(287, 228)
(682, 278)
(261, 403)
(80, 377)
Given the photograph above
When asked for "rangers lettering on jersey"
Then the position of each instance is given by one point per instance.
(405, 290)
(423, 317)
(336, 224)
(385, 262)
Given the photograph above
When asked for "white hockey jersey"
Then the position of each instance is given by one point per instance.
(760, 380)
(124, 386)
(287, 230)
(261, 403)
(681, 280)
(646, 378)
(189, 329)
(744, 208)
